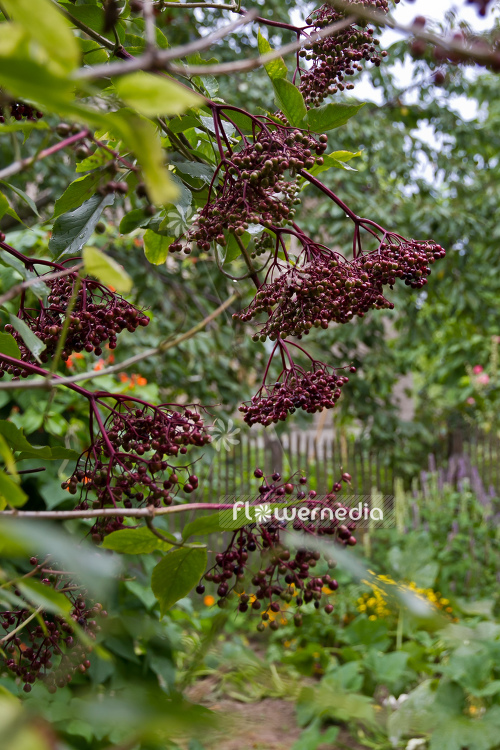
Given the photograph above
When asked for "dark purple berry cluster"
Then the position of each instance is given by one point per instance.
(47, 647)
(254, 190)
(21, 111)
(312, 391)
(285, 580)
(336, 57)
(98, 316)
(126, 465)
(330, 289)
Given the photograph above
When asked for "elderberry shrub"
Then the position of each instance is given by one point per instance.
(98, 316)
(21, 111)
(254, 188)
(51, 651)
(285, 580)
(328, 288)
(312, 391)
(126, 464)
(338, 56)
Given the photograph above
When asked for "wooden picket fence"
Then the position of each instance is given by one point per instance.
(229, 472)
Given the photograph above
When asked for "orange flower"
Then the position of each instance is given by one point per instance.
(141, 381)
(69, 363)
(208, 600)
(123, 377)
(99, 365)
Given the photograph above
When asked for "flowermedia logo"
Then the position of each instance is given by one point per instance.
(362, 510)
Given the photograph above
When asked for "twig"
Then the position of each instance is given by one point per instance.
(15, 290)
(154, 59)
(241, 66)
(20, 164)
(21, 626)
(162, 347)
(475, 52)
(216, 6)
(66, 515)
(251, 270)
(87, 29)
(149, 25)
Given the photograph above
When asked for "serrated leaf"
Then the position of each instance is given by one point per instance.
(208, 122)
(134, 541)
(11, 492)
(48, 27)
(156, 247)
(335, 159)
(290, 101)
(133, 220)
(194, 169)
(202, 525)
(330, 116)
(153, 95)
(106, 270)
(8, 346)
(6, 208)
(181, 124)
(243, 121)
(141, 137)
(79, 191)
(39, 288)
(24, 197)
(8, 458)
(23, 126)
(72, 230)
(210, 84)
(184, 196)
(275, 68)
(34, 344)
(17, 442)
(44, 596)
(178, 573)
(60, 453)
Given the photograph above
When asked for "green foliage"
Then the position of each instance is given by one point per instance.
(177, 574)
(73, 229)
(106, 270)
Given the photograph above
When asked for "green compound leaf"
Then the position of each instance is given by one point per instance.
(8, 346)
(151, 95)
(106, 270)
(11, 492)
(156, 247)
(45, 596)
(175, 575)
(275, 68)
(44, 24)
(330, 116)
(73, 229)
(202, 525)
(290, 101)
(80, 190)
(34, 344)
(135, 541)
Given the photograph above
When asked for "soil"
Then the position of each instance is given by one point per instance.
(268, 724)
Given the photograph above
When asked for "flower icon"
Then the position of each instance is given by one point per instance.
(176, 222)
(224, 434)
(263, 513)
